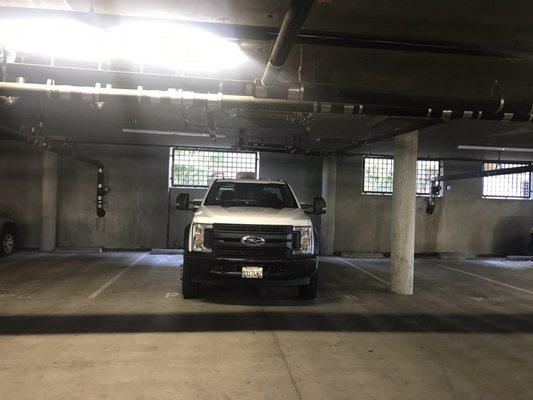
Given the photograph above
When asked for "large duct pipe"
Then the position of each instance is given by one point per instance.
(362, 103)
(328, 98)
(46, 144)
(290, 28)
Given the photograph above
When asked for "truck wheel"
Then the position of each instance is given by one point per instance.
(189, 289)
(309, 292)
(7, 242)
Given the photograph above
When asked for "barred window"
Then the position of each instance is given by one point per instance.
(194, 168)
(378, 175)
(511, 186)
(425, 171)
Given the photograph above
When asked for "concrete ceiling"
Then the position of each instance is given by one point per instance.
(495, 25)
(492, 24)
(79, 121)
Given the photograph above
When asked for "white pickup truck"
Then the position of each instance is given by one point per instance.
(250, 231)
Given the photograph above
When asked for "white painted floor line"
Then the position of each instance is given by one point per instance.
(115, 278)
(365, 271)
(17, 259)
(9, 262)
(484, 278)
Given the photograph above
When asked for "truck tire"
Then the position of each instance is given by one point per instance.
(7, 242)
(189, 289)
(309, 292)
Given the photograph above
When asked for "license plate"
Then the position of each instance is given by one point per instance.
(252, 272)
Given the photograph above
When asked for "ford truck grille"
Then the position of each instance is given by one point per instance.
(227, 241)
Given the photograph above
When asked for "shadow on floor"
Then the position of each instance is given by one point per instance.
(269, 320)
(259, 296)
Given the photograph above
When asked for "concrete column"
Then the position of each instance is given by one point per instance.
(49, 202)
(403, 213)
(329, 184)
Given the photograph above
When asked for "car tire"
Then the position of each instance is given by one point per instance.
(7, 242)
(189, 289)
(309, 292)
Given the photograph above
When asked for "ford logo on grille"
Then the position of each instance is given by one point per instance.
(252, 240)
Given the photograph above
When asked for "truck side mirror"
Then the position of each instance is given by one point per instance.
(319, 206)
(182, 201)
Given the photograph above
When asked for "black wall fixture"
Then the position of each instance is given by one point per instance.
(65, 149)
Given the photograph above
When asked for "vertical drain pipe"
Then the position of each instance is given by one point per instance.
(45, 144)
(290, 28)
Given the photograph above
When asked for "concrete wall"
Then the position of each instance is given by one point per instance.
(136, 206)
(139, 205)
(20, 192)
(463, 221)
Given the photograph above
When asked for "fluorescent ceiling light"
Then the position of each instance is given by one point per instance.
(495, 148)
(162, 44)
(172, 133)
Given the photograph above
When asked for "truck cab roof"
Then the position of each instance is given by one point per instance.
(264, 181)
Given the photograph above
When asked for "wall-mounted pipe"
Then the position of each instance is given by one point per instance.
(436, 187)
(64, 149)
(290, 28)
(394, 104)
(483, 174)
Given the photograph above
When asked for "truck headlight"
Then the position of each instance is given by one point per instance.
(202, 237)
(302, 240)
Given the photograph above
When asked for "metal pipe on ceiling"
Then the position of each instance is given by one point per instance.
(496, 148)
(290, 28)
(393, 104)
(335, 98)
(44, 143)
(268, 149)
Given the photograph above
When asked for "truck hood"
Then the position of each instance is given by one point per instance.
(251, 216)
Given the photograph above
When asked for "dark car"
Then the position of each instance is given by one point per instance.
(8, 234)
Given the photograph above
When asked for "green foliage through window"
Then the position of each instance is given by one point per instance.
(378, 175)
(195, 168)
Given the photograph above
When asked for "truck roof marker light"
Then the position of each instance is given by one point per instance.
(246, 175)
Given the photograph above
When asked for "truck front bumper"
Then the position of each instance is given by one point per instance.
(205, 268)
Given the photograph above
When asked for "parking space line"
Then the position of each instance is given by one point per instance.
(17, 259)
(115, 278)
(9, 262)
(364, 271)
(485, 278)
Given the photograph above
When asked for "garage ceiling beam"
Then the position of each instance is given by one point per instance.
(312, 37)
(389, 135)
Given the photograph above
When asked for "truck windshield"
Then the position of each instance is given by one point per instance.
(236, 194)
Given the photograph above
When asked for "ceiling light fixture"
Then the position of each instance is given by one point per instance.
(163, 44)
(173, 133)
(496, 148)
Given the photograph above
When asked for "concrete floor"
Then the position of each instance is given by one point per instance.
(115, 326)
